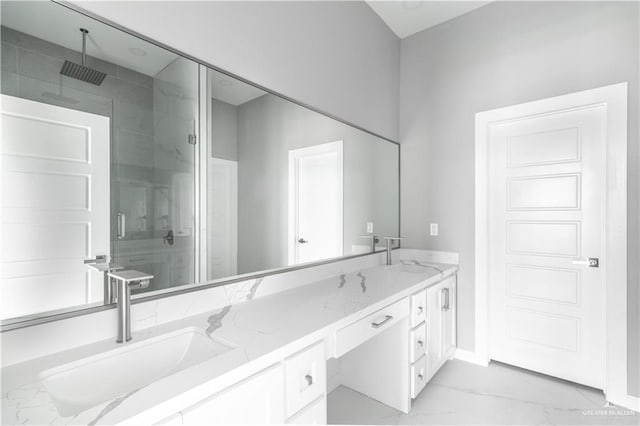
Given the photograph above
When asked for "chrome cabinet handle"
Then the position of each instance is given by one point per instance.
(420, 309)
(309, 379)
(420, 377)
(420, 343)
(445, 294)
(302, 241)
(121, 225)
(379, 324)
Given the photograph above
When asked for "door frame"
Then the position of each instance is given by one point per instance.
(614, 98)
(294, 154)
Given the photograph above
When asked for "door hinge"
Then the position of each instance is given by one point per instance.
(192, 139)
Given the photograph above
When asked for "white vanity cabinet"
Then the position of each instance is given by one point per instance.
(292, 391)
(306, 385)
(418, 339)
(389, 354)
(432, 336)
(256, 400)
(440, 324)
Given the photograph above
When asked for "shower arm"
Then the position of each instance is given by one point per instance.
(84, 45)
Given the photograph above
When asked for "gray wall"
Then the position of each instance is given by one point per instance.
(268, 127)
(224, 130)
(503, 54)
(335, 56)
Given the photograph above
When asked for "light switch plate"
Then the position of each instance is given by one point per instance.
(433, 229)
(369, 227)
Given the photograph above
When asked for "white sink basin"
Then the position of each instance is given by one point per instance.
(82, 384)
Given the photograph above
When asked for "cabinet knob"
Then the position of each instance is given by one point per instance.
(420, 309)
(420, 377)
(420, 343)
(309, 379)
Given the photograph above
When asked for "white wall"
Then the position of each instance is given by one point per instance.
(503, 54)
(338, 57)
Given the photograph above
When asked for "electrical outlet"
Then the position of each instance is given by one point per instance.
(433, 229)
(369, 227)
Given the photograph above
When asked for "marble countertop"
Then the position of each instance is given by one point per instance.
(264, 330)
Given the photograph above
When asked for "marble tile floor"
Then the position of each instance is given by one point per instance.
(464, 393)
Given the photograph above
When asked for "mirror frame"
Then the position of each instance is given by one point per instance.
(60, 314)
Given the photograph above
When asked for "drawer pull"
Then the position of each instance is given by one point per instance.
(381, 323)
(309, 379)
(420, 377)
(420, 309)
(420, 343)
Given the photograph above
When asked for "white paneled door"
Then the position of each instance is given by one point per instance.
(55, 206)
(222, 257)
(315, 203)
(546, 220)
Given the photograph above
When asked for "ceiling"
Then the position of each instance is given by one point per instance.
(228, 89)
(409, 17)
(60, 25)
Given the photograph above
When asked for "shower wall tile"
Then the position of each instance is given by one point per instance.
(9, 85)
(54, 94)
(133, 117)
(38, 66)
(134, 77)
(9, 58)
(26, 41)
(134, 148)
(132, 93)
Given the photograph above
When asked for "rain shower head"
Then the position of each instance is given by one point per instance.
(83, 72)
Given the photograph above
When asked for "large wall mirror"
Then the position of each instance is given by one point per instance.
(165, 166)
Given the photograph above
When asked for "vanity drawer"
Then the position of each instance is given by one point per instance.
(362, 330)
(314, 414)
(305, 378)
(418, 307)
(418, 376)
(418, 342)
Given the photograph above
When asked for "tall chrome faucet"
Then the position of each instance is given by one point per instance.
(389, 241)
(125, 281)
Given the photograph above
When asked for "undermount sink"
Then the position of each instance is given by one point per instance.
(82, 384)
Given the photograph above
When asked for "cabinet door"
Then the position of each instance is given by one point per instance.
(434, 332)
(256, 400)
(313, 414)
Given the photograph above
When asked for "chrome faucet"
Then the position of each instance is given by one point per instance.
(125, 281)
(389, 244)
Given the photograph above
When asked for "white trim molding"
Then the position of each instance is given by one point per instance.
(469, 356)
(614, 98)
(633, 403)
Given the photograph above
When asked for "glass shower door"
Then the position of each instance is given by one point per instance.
(154, 175)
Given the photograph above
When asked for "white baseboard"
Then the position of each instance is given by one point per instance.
(633, 403)
(626, 401)
(471, 357)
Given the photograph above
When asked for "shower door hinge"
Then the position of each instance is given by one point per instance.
(192, 139)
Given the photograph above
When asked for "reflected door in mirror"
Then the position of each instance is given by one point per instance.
(55, 206)
(315, 203)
